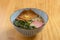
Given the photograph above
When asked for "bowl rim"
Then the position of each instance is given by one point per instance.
(28, 29)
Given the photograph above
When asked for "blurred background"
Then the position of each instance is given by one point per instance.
(51, 30)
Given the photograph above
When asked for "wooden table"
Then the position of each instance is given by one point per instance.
(51, 30)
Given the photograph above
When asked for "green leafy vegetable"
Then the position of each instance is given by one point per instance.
(23, 24)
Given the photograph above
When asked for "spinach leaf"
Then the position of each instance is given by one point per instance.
(23, 24)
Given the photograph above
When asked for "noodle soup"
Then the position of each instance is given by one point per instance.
(29, 20)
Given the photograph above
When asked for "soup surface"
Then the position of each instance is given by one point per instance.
(28, 19)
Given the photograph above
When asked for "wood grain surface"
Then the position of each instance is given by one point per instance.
(51, 30)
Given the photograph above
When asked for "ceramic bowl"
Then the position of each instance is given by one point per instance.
(33, 32)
